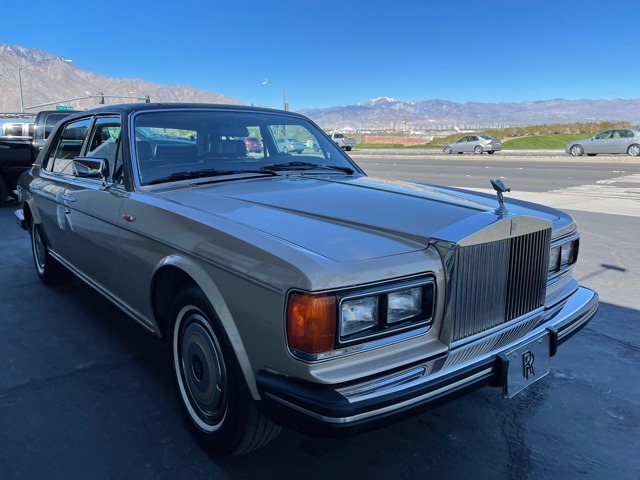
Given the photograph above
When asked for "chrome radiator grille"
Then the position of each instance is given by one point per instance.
(493, 283)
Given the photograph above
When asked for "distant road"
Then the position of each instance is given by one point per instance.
(556, 155)
(602, 184)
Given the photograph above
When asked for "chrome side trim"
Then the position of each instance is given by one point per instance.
(152, 327)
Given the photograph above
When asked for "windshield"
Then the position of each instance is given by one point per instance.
(180, 144)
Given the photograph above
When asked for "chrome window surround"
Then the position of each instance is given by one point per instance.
(365, 343)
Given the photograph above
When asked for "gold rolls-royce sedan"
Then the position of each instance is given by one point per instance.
(294, 290)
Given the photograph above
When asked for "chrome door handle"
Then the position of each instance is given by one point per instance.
(69, 198)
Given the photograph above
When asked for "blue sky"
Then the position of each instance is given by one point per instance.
(330, 52)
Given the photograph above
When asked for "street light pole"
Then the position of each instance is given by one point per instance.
(284, 97)
(46, 59)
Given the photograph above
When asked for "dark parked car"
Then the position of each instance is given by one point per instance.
(298, 292)
(617, 140)
(474, 143)
(21, 140)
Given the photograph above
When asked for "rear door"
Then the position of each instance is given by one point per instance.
(622, 138)
(92, 206)
(472, 143)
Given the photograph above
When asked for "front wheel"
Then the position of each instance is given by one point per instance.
(576, 150)
(348, 149)
(448, 150)
(490, 152)
(634, 150)
(213, 395)
(478, 150)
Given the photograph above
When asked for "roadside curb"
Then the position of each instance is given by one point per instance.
(503, 155)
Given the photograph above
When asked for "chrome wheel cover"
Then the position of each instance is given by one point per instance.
(39, 249)
(200, 369)
(634, 150)
(576, 150)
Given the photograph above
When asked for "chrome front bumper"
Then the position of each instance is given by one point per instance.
(344, 410)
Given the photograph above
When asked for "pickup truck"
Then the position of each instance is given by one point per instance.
(21, 139)
(343, 142)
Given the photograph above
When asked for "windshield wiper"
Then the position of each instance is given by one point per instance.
(209, 172)
(296, 165)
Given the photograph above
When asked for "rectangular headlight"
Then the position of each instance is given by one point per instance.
(567, 254)
(358, 314)
(554, 259)
(404, 304)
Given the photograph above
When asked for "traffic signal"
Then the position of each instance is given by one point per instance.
(147, 99)
(101, 101)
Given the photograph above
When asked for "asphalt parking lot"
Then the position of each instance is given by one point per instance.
(86, 393)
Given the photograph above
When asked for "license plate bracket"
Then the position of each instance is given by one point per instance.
(528, 363)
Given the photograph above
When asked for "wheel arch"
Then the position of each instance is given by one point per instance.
(30, 211)
(633, 146)
(173, 274)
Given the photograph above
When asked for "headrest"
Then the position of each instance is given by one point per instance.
(232, 148)
(233, 131)
(184, 150)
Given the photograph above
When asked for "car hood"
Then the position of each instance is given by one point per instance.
(346, 219)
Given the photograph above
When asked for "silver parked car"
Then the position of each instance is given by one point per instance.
(298, 292)
(290, 145)
(474, 143)
(617, 140)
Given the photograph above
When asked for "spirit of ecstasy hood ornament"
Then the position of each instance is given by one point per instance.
(500, 188)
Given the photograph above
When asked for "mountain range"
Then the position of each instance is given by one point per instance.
(431, 114)
(66, 81)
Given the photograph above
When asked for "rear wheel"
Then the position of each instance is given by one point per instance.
(348, 149)
(213, 395)
(634, 150)
(477, 150)
(576, 150)
(50, 271)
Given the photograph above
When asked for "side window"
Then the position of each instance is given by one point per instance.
(626, 133)
(104, 140)
(67, 147)
(603, 135)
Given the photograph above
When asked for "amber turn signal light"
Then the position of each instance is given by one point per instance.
(311, 322)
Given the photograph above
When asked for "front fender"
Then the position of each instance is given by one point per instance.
(208, 286)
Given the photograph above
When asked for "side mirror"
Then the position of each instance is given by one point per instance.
(91, 167)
